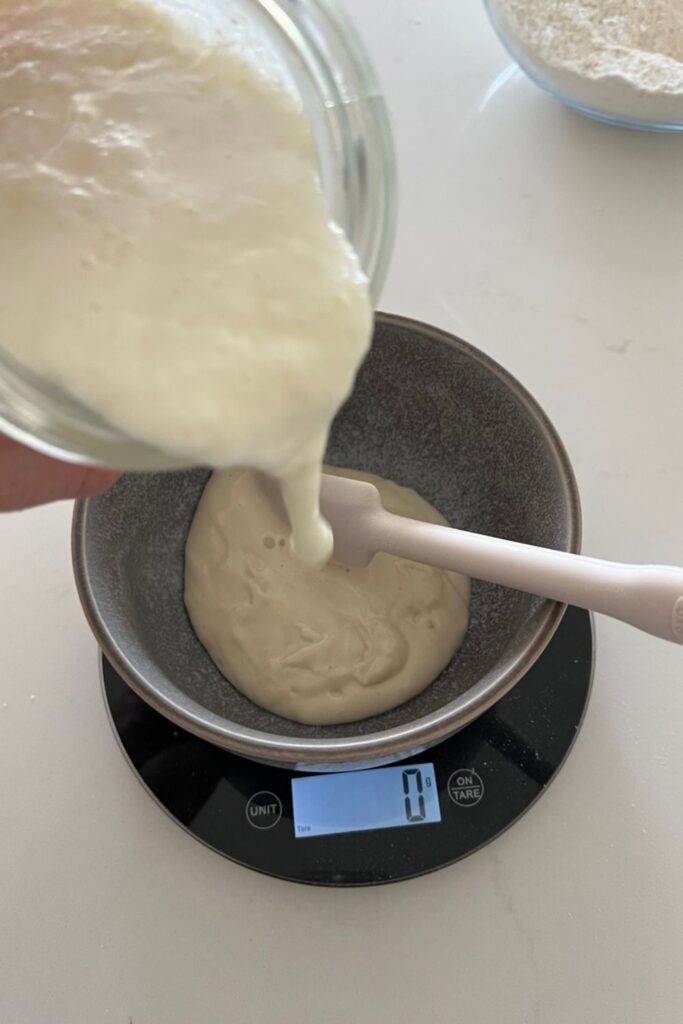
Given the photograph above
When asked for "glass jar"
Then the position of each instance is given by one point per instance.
(322, 57)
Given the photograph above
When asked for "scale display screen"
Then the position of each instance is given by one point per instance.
(395, 797)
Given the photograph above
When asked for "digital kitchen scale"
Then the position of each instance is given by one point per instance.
(377, 825)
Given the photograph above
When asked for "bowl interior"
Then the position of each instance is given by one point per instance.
(427, 411)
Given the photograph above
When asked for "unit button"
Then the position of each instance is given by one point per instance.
(465, 787)
(264, 810)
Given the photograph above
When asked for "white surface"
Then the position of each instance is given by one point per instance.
(555, 245)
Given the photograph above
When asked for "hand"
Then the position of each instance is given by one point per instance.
(28, 479)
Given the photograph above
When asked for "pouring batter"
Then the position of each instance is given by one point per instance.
(168, 260)
(319, 647)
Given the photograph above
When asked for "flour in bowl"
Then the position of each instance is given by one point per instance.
(620, 58)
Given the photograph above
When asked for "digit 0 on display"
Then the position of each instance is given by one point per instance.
(414, 791)
(361, 801)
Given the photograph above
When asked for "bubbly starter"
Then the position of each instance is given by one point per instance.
(168, 261)
(167, 256)
(319, 647)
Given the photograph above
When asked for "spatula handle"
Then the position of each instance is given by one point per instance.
(649, 597)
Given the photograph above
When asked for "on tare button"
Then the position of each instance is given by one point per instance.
(264, 810)
(465, 787)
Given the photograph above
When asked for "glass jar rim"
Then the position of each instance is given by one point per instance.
(358, 170)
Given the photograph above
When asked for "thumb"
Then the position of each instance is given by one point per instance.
(28, 478)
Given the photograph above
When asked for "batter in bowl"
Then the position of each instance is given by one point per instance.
(323, 646)
(167, 257)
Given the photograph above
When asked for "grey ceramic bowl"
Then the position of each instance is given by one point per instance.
(428, 411)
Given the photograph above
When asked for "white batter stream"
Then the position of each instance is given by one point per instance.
(166, 252)
(169, 262)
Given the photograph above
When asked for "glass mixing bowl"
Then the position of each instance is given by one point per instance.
(610, 102)
(320, 55)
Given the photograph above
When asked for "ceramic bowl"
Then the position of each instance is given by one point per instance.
(428, 411)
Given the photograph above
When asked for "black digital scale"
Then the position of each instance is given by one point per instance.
(376, 825)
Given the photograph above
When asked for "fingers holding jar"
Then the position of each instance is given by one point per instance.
(28, 478)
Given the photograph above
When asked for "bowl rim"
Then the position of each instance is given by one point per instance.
(387, 744)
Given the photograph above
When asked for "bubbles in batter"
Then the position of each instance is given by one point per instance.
(317, 646)
(168, 258)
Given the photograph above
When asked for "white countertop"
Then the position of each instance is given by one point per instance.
(554, 244)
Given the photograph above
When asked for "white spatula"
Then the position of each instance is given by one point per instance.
(649, 597)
